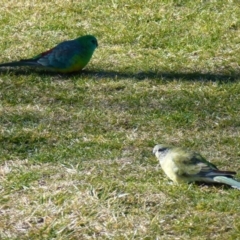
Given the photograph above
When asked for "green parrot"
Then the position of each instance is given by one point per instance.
(66, 57)
(181, 165)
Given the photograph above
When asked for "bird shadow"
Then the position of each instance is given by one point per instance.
(166, 76)
(215, 184)
(100, 74)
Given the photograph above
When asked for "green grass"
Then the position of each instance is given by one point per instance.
(75, 150)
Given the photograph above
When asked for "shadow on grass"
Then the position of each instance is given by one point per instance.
(216, 185)
(233, 76)
(167, 76)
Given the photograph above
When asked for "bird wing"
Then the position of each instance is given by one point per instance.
(195, 166)
(191, 163)
(61, 56)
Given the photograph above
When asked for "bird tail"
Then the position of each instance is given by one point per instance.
(216, 173)
(27, 62)
(229, 181)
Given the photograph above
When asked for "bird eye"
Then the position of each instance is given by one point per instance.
(161, 149)
(94, 42)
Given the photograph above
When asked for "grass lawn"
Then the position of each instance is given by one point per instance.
(76, 150)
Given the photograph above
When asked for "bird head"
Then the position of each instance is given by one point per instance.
(160, 150)
(88, 42)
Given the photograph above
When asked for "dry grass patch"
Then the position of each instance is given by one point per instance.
(75, 150)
